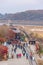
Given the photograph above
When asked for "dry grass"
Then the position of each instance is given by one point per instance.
(40, 62)
(4, 28)
(29, 28)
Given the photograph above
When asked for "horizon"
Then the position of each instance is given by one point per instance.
(21, 11)
(14, 6)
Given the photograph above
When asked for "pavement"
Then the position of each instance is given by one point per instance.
(20, 61)
(32, 62)
(16, 61)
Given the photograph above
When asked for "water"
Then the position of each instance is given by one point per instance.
(25, 23)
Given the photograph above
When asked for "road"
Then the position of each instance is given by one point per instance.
(32, 62)
(16, 61)
(20, 61)
(28, 49)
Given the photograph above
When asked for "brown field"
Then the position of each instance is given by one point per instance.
(28, 29)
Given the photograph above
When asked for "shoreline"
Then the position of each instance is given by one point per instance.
(21, 24)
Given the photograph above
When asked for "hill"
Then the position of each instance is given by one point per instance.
(32, 15)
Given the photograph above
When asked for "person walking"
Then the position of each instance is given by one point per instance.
(13, 51)
(26, 55)
(10, 47)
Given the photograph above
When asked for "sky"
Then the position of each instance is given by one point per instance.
(13, 6)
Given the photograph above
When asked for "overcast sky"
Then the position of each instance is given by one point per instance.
(13, 6)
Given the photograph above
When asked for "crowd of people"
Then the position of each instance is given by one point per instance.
(12, 50)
